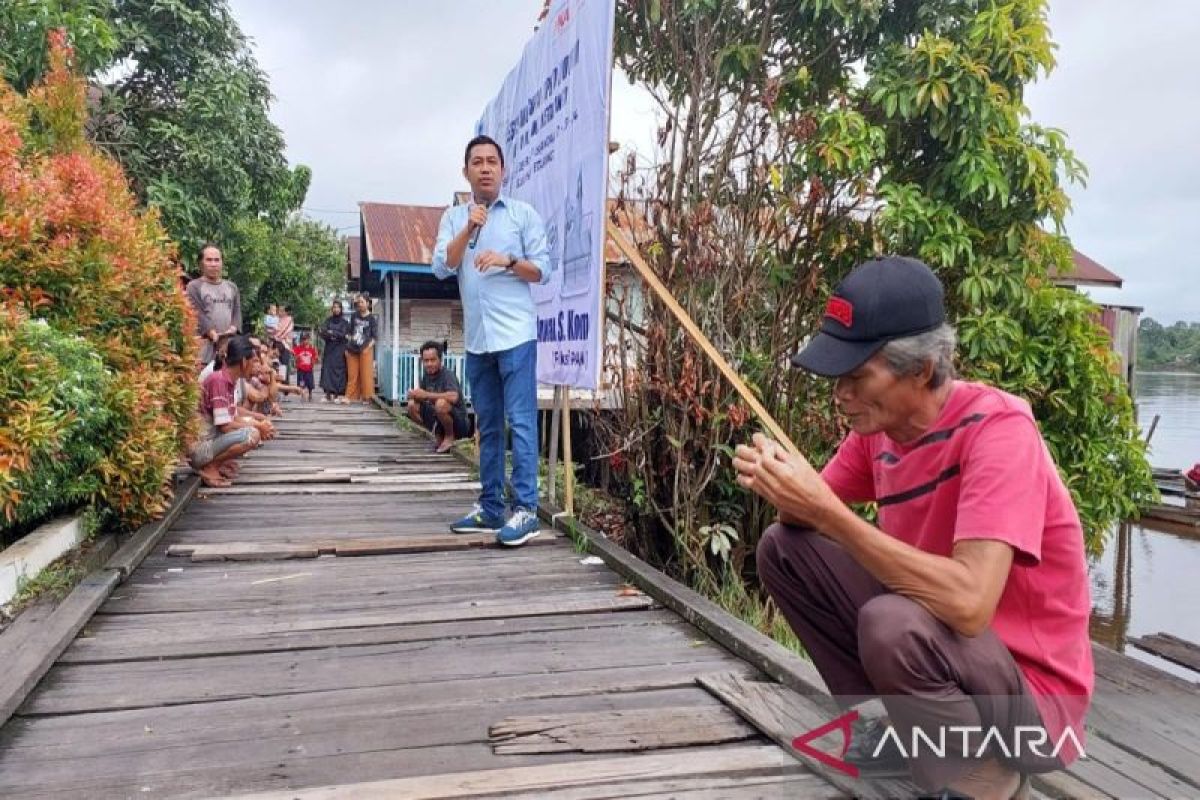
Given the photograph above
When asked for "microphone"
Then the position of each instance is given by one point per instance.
(475, 235)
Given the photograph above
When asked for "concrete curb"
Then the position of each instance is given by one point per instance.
(34, 552)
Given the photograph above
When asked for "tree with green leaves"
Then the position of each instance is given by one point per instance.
(299, 265)
(186, 113)
(975, 188)
(799, 139)
(25, 26)
(179, 100)
(1172, 348)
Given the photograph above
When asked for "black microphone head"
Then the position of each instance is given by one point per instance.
(475, 235)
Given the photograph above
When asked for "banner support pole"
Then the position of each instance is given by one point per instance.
(630, 251)
(568, 465)
(552, 450)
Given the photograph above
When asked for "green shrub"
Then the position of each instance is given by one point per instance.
(53, 421)
(77, 252)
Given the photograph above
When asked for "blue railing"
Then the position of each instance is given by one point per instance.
(409, 369)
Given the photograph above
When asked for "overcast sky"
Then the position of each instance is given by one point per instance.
(378, 97)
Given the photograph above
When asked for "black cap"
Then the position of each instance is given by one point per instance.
(880, 300)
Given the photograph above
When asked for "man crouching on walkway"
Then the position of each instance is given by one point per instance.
(967, 607)
(226, 432)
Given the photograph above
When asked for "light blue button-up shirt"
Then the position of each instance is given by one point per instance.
(498, 308)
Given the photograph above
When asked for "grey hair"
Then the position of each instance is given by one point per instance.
(909, 355)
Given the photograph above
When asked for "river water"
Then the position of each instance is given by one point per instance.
(1145, 581)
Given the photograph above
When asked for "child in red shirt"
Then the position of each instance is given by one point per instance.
(306, 359)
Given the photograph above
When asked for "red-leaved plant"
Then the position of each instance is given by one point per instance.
(77, 252)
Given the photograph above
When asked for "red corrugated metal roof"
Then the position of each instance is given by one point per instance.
(400, 234)
(353, 257)
(1087, 273)
(403, 234)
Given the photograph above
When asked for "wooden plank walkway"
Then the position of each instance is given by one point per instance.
(1172, 648)
(316, 633)
(217, 678)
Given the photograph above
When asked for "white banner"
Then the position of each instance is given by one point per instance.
(551, 118)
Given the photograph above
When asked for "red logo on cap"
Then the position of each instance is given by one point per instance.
(840, 309)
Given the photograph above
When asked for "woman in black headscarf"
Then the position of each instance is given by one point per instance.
(334, 331)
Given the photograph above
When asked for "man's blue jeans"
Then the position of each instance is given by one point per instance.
(504, 386)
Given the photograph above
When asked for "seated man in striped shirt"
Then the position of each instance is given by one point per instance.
(226, 433)
(966, 608)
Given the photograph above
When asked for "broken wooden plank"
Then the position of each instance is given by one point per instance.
(211, 740)
(392, 545)
(243, 551)
(782, 715)
(249, 478)
(628, 730)
(268, 551)
(146, 538)
(353, 488)
(725, 762)
(468, 705)
(1132, 675)
(459, 476)
(1172, 648)
(421, 544)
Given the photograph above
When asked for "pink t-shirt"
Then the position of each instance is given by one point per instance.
(983, 472)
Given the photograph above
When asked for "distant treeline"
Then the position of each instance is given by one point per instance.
(1169, 347)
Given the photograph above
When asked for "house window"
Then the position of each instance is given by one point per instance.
(431, 320)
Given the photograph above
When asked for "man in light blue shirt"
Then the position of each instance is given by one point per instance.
(496, 245)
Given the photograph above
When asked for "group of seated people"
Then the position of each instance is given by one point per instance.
(239, 392)
(241, 387)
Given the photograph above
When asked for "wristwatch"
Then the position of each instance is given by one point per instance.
(512, 262)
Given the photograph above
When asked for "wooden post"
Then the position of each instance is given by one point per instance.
(1153, 425)
(1123, 575)
(630, 251)
(568, 466)
(553, 449)
(395, 322)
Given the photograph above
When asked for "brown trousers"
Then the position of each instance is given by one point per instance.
(360, 374)
(867, 641)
